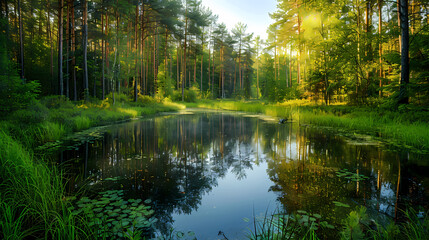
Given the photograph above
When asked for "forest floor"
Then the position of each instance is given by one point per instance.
(406, 128)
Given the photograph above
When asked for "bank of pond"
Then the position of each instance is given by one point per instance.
(210, 174)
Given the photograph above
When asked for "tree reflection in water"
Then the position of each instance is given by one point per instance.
(176, 160)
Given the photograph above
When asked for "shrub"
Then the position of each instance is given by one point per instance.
(35, 113)
(189, 95)
(16, 95)
(56, 102)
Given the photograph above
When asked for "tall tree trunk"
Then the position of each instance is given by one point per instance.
(257, 46)
(380, 47)
(51, 42)
(136, 41)
(184, 60)
(177, 67)
(202, 56)
(143, 71)
(195, 69)
(73, 51)
(94, 91)
(358, 49)
(239, 65)
(405, 62)
(398, 5)
(299, 46)
(166, 75)
(68, 37)
(60, 47)
(118, 67)
(155, 61)
(85, 49)
(290, 66)
(103, 57)
(21, 44)
(208, 70)
(213, 71)
(235, 73)
(106, 48)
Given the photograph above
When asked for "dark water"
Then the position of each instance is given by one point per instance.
(207, 172)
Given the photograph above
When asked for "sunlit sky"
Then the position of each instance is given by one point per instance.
(254, 13)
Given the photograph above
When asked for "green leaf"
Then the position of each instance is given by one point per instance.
(340, 204)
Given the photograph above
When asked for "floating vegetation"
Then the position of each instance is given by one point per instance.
(344, 173)
(74, 141)
(115, 217)
(310, 220)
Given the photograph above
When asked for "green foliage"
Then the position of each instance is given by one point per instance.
(352, 225)
(165, 83)
(190, 95)
(16, 95)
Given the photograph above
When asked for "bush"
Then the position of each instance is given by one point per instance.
(35, 113)
(145, 99)
(189, 95)
(56, 102)
(16, 95)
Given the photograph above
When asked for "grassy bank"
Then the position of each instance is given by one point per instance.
(407, 128)
(32, 194)
(55, 117)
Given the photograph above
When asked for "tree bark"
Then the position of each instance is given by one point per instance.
(184, 60)
(85, 50)
(102, 57)
(60, 47)
(405, 62)
(73, 51)
(380, 47)
(51, 43)
(136, 41)
(21, 44)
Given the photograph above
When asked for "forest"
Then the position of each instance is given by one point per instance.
(70, 68)
(345, 51)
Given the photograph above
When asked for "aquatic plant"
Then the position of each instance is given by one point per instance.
(112, 216)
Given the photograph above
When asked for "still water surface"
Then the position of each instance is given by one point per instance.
(207, 172)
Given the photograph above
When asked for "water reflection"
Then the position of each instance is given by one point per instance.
(189, 163)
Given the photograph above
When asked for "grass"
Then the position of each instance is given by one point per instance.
(53, 118)
(408, 128)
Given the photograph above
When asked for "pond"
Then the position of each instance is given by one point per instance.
(208, 172)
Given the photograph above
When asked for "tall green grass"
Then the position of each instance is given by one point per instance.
(33, 197)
